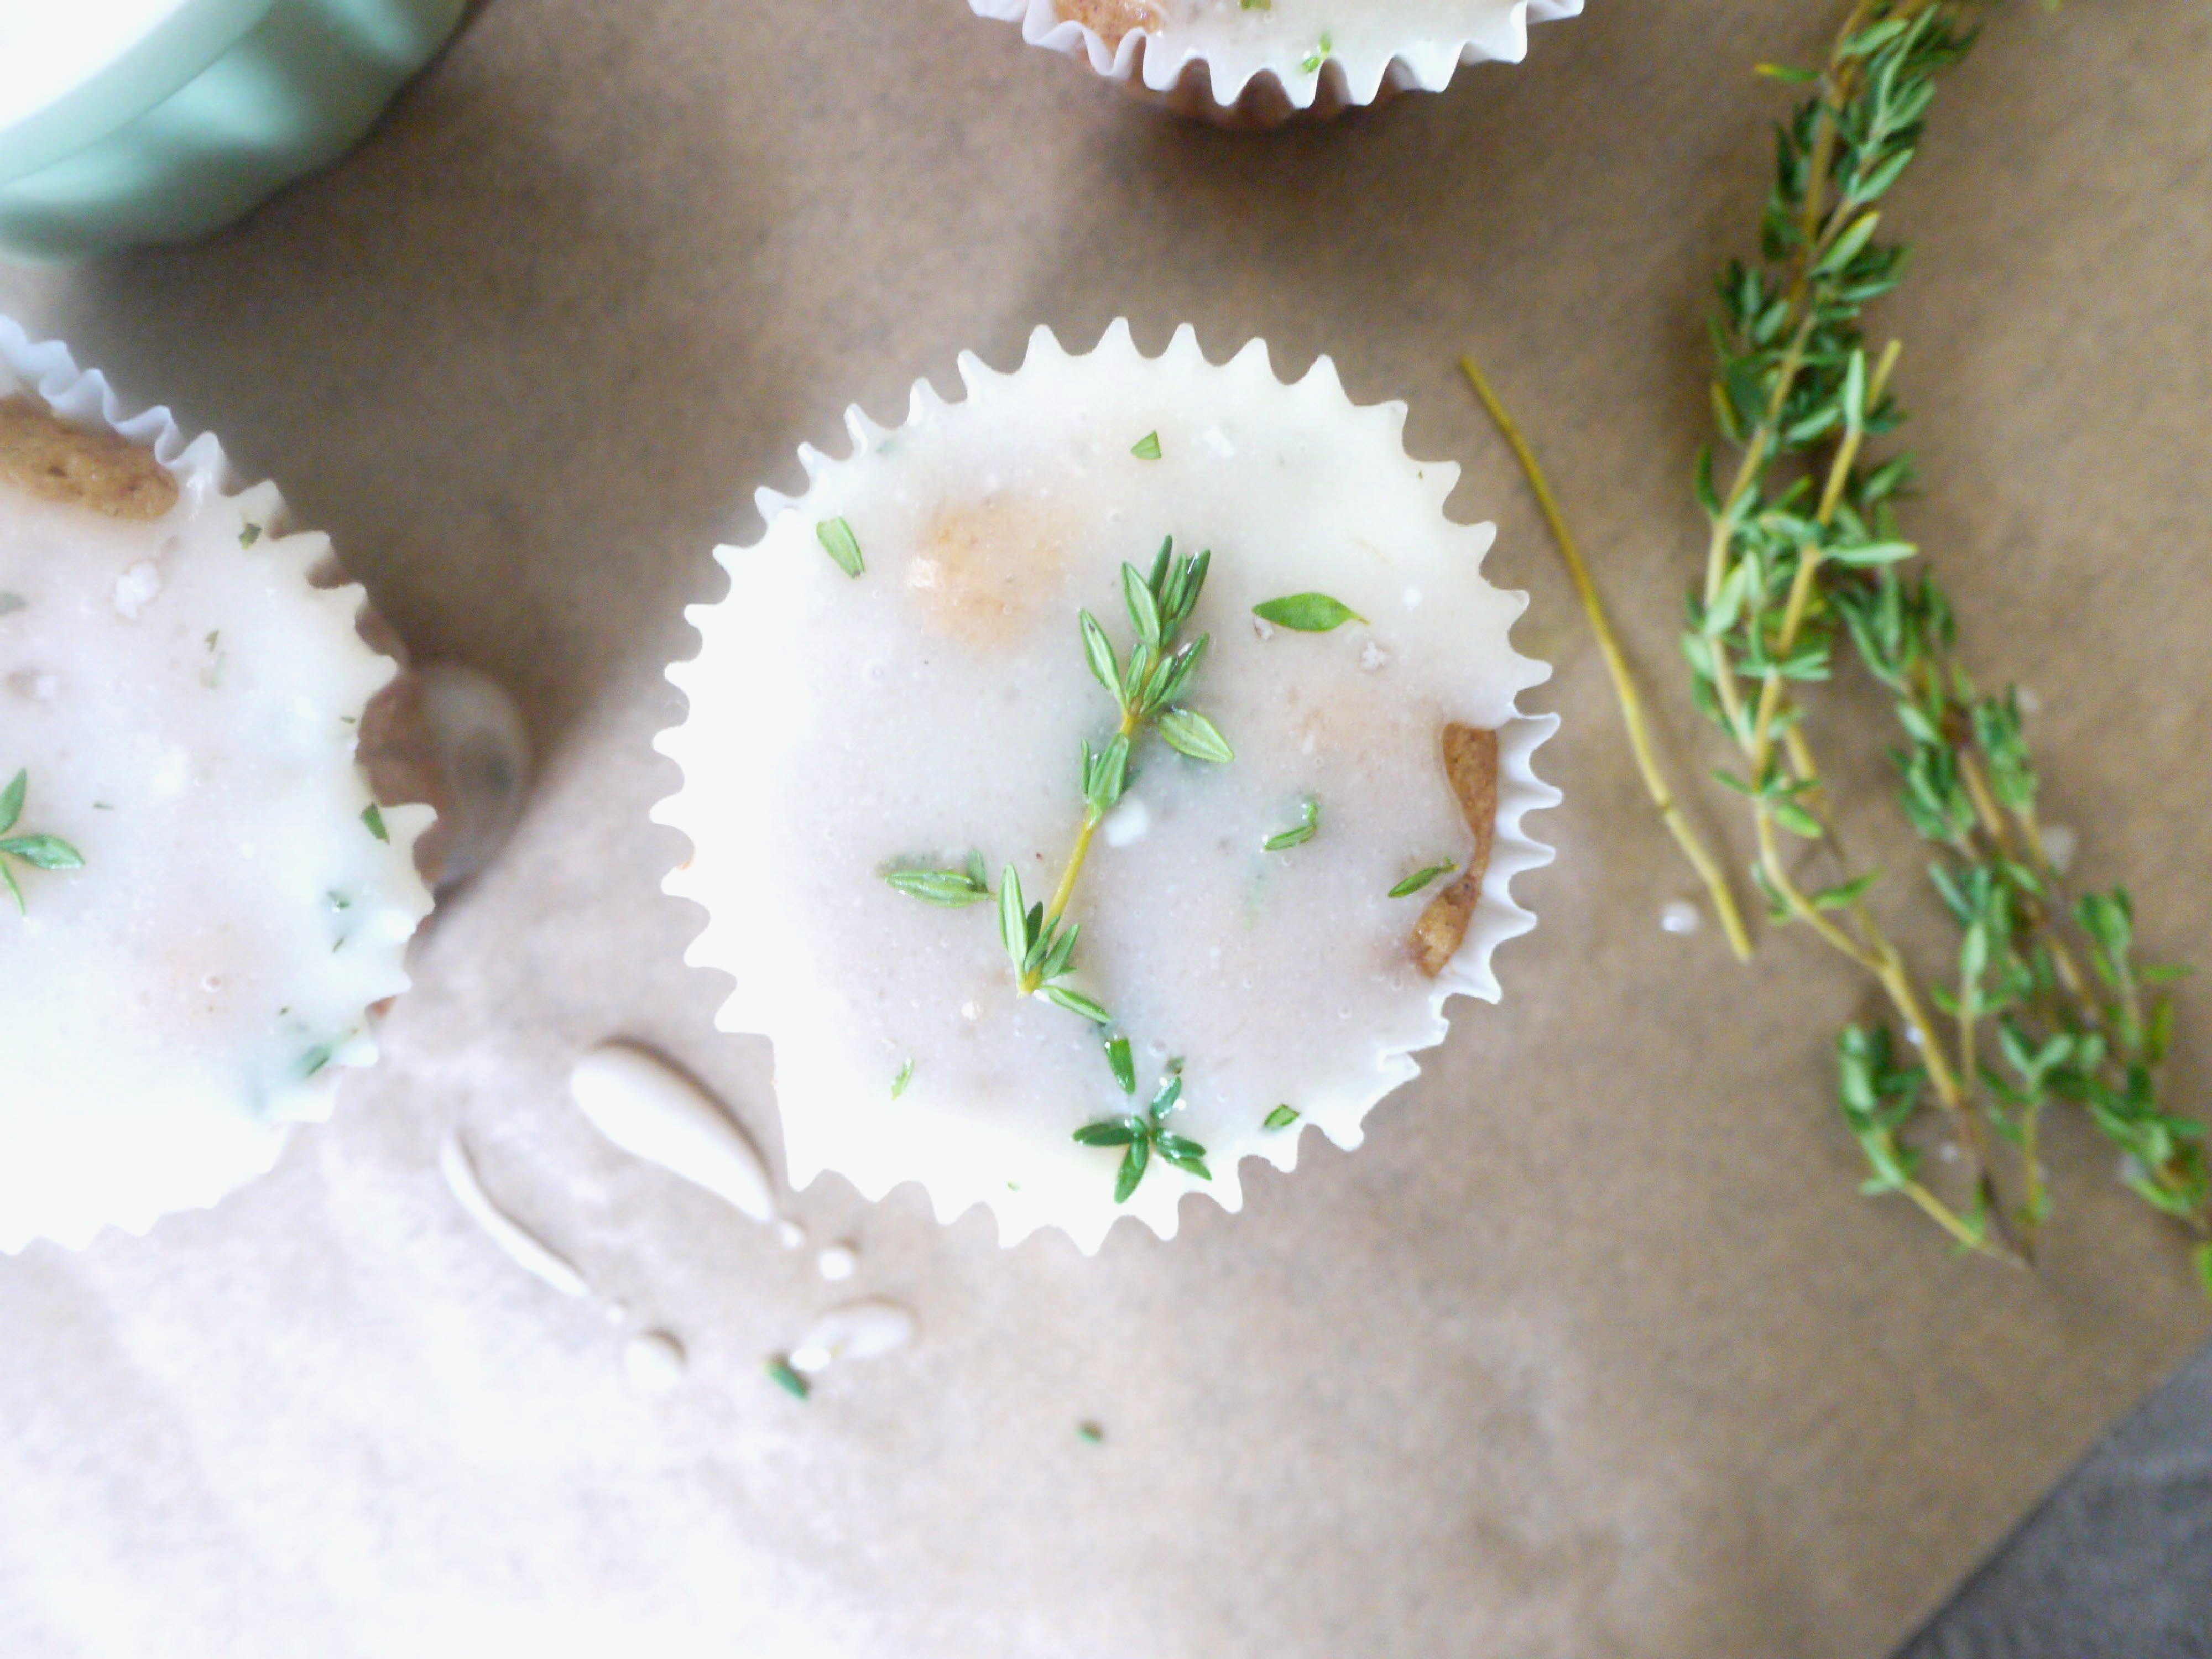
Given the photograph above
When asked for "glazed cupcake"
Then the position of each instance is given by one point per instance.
(203, 902)
(1099, 780)
(1258, 63)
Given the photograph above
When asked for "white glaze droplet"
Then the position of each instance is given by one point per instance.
(655, 1362)
(2060, 845)
(1372, 656)
(2030, 704)
(1126, 824)
(837, 1262)
(653, 1111)
(1679, 916)
(790, 1235)
(858, 1330)
(1219, 442)
(523, 1248)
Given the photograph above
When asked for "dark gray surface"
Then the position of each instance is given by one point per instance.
(2117, 1561)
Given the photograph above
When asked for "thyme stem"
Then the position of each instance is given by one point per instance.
(1626, 690)
(1064, 893)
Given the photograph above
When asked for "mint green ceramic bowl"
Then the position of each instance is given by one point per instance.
(130, 121)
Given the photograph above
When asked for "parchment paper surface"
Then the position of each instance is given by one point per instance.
(1592, 1351)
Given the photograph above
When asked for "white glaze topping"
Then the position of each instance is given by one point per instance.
(933, 707)
(859, 1330)
(653, 1111)
(519, 1245)
(654, 1362)
(183, 705)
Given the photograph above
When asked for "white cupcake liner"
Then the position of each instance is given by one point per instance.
(721, 943)
(131, 1197)
(1256, 86)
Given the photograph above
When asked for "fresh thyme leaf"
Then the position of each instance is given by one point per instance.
(1169, 1097)
(1123, 1061)
(43, 851)
(1189, 732)
(1061, 957)
(250, 535)
(316, 1058)
(905, 1076)
(1146, 448)
(1281, 1118)
(1013, 925)
(1307, 613)
(1118, 1131)
(1299, 833)
(40, 851)
(1421, 878)
(372, 816)
(1076, 1003)
(1098, 650)
(953, 889)
(839, 541)
(780, 1373)
(1144, 605)
(11, 602)
(1185, 1155)
(1089, 1433)
(1313, 60)
(1134, 1160)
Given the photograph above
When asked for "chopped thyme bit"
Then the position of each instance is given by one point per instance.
(1146, 448)
(1313, 59)
(838, 541)
(10, 603)
(250, 535)
(1281, 1118)
(1307, 613)
(780, 1373)
(372, 816)
(40, 851)
(1421, 878)
(1299, 834)
(905, 1076)
(1088, 1432)
(315, 1058)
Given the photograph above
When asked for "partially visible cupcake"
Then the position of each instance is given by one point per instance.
(203, 902)
(1094, 782)
(1258, 63)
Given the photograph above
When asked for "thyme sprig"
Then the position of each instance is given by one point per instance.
(40, 851)
(1143, 1135)
(1805, 565)
(1146, 686)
